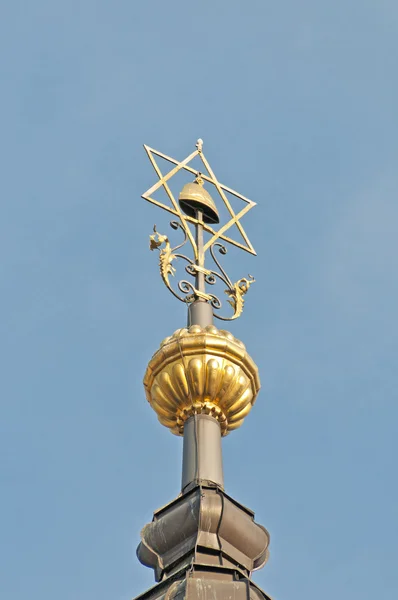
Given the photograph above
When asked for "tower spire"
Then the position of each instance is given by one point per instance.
(201, 383)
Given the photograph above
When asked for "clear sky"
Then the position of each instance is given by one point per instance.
(297, 106)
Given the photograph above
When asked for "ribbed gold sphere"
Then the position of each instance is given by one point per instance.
(201, 370)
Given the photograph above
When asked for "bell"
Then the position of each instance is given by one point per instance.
(194, 197)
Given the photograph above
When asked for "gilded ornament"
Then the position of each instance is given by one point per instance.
(196, 207)
(239, 289)
(166, 255)
(201, 370)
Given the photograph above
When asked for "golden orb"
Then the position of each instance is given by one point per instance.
(201, 370)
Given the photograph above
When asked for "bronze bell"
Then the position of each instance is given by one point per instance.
(194, 197)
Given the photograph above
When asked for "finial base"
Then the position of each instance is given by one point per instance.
(206, 527)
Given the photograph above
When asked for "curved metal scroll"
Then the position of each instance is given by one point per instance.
(167, 254)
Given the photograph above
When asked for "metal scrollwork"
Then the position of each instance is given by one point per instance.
(167, 254)
(235, 291)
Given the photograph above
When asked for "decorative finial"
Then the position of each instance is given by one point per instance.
(202, 384)
(196, 207)
(198, 178)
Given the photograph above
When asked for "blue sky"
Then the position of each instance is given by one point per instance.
(297, 106)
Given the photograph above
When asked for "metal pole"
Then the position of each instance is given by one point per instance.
(202, 456)
(200, 312)
(200, 277)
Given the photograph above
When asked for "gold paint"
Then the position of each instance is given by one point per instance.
(226, 382)
(212, 377)
(201, 210)
(180, 380)
(165, 255)
(241, 414)
(201, 370)
(197, 379)
(194, 196)
(196, 295)
(239, 289)
(175, 209)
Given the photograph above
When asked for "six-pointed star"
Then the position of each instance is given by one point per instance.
(176, 210)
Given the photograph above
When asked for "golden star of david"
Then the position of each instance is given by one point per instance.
(211, 178)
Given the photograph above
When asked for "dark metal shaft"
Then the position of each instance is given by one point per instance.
(200, 277)
(202, 456)
(200, 312)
